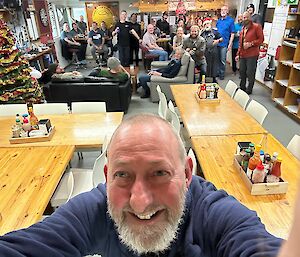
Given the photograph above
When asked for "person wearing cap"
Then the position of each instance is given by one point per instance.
(255, 17)
(114, 71)
(251, 37)
(163, 24)
(212, 39)
(225, 26)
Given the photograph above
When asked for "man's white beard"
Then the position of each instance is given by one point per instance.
(150, 239)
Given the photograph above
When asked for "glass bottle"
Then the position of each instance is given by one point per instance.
(251, 147)
(276, 170)
(33, 119)
(245, 160)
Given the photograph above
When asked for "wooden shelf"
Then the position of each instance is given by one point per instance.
(289, 44)
(294, 89)
(287, 63)
(292, 108)
(279, 100)
(283, 82)
(287, 80)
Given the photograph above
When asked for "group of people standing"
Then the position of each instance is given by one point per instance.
(209, 41)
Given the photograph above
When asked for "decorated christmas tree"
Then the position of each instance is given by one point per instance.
(16, 84)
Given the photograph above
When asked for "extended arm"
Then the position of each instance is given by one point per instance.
(69, 232)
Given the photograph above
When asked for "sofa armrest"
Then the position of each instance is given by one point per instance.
(158, 79)
(159, 64)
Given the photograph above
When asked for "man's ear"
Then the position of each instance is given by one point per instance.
(188, 171)
(105, 171)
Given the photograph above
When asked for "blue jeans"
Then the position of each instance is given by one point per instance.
(222, 61)
(163, 55)
(143, 82)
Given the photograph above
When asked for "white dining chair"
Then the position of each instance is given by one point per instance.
(83, 179)
(64, 190)
(230, 88)
(13, 109)
(88, 107)
(257, 111)
(50, 108)
(163, 110)
(174, 117)
(241, 97)
(193, 157)
(294, 146)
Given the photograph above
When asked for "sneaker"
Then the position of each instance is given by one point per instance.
(145, 96)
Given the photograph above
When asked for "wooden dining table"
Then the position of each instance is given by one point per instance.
(28, 178)
(84, 131)
(215, 155)
(206, 118)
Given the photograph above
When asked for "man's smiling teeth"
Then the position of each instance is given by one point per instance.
(145, 217)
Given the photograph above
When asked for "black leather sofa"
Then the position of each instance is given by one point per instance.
(88, 89)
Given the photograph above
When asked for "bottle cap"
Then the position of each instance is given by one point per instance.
(251, 145)
(261, 152)
(275, 154)
(258, 147)
(248, 151)
(260, 166)
(279, 159)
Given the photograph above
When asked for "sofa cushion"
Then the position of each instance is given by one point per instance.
(184, 65)
(92, 79)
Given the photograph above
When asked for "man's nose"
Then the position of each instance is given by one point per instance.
(141, 196)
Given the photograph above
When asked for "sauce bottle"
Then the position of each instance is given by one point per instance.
(258, 174)
(254, 161)
(276, 169)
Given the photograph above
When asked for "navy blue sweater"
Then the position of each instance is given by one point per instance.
(215, 224)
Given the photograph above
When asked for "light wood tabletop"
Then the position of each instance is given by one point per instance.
(28, 178)
(224, 118)
(79, 130)
(216, 153)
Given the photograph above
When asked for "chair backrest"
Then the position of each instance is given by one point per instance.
(257, 111)
(144, 49)
(162, 105)
(98, 169)
(174, 117)
(51, 108)
(230, 88)
(241, 97)
(294, 146)
(191, 71)
(12, 109)
(88, 107)
(193, 157)
(105, 144)
(70, 184)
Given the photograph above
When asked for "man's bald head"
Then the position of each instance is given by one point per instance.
(152, 123)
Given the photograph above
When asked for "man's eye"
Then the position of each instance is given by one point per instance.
(121, 174)
(160, 173)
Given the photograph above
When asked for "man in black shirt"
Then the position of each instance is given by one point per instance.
(81, 24)
(163, 24)
(123, 29)
(134, 43)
